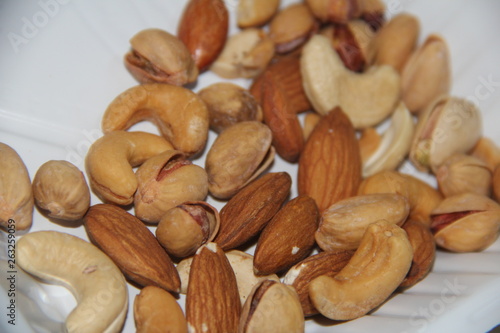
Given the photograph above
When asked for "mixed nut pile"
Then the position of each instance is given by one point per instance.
(359, 229)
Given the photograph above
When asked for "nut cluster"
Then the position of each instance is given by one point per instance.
(359, 229)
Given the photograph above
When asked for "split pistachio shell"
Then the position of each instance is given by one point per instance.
(272, 307)
(367, 98)
(336, 11)
(158, 56)
(496, 184)
(186, 227)
(448, 126)
(466, 222)
(488, 151)
(343, 224)
(394, 144)
(462, 173)
(427, 74)
(165, 181)
(252, 13)
(238, 155)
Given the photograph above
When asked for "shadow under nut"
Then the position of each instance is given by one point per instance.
(180, 115)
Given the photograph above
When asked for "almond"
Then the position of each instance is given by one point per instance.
(330, 163)
(323, 263)
(246, 213)
(132, 246)
(212, 302)
(288, 238)
(203, 28)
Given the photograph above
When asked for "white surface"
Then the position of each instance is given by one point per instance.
(61, 65)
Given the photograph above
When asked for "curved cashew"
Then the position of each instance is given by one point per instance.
(367, 98)
(371, 276)
(394, 145)
(97, 284)
(110, 160)
(180, 115)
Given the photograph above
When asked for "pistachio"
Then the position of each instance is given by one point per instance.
(367, 98)
(291, 27)
(343, 224)
(158, 56)
(427, 74)
(466, 222)
(496, 184)
(245, 55)
(487, 151)
(337, 11)
(269, 301)
(238, 155)
(186, 227)
(373, 12)
(448, 126)
(253, 13)
(60, 188)
(16, 193)
(462, 173)
(165, 181)
(229, 104)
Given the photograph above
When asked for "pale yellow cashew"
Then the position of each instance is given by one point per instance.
(97, 284)
(180, 115)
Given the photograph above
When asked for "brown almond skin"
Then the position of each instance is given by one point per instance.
(132, 246)
(288, 238)
(246, 213)
(212, 301)
(323, 263)
(424, 252)
(330, 163)
(203, 28)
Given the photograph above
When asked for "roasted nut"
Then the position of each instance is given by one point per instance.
(424, 252)
(291, 27)
(203, 28)
(288, 238)
(60, 188)
(487, 151)
(448, 126)
(160, 103)
(462, 173)
(132, 246)
(373, 12)
(311, 119)
(272, 307)
(496, 184)
(245, 55)
(394, 144)
(229, 104)
(246, 213)
(212, 300)
(16, 193)
(422, 197)
(253, 13)
(186, 227)
(323, 263)
(367, 98)
(156, 310)
(395, 42)
(238, 155)
(343, 224)
(110, 160)
(330, 164)
(337, 11)
(426, 75)
(374, 272)
(165, 181)
(98, 285)
(466, 222)
(158, 56)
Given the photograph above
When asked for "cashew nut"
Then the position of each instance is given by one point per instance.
(367, 98)
(97, 284)
(110, 160)
(180, 115)
(371, 276)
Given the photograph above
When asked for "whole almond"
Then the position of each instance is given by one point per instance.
(323, 263)
(203, 28)
(246, 213)
(288, 238)
(212, 302)
(330, 163)
(132, 246)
